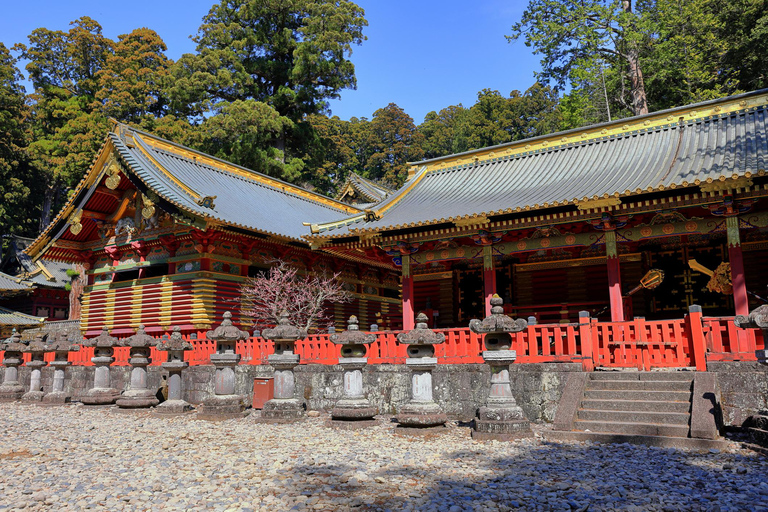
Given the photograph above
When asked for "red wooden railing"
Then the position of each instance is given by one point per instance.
(685, 342)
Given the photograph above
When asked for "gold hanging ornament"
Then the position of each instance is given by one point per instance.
(148, 207)
(75, 225)
(113, 174)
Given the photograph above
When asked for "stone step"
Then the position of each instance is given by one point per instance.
(636, 405)
(641, 429)
(634, 375)
(629, 416)
(632, 385)
(686, 443)
(653, 396)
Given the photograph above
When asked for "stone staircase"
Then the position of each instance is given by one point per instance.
(661, 408)
(637, 403)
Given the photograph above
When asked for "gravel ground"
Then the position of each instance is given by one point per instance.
(75, 458)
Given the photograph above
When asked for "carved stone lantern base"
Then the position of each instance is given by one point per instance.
(500, 419)
(33, 396)
(137, 398)
(100, 396)
(174, 408)
(353, 409)
(421, 415)
(56, 398)
(282, 410)
(222, 407)
(11, 392)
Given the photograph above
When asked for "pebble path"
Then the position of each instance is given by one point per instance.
(76, 458)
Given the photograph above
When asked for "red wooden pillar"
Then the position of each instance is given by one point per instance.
(746, 337)
(408, 313)
(698, 340)
(740, 299)
(614, 277)
(489, 278)
(142, 250)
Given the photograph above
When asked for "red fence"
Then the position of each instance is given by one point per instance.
(686, 342)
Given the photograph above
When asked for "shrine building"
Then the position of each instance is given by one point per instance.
(555, 224)
(572, 221)
(166, 236)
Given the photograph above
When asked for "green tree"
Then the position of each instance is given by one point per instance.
(332, 153)
(241, 133)
(387, 143)
(495, 119)
(569, 35)
(292, 55)
(19, 182)
(745, 30)
(440, 131)
(132, 81)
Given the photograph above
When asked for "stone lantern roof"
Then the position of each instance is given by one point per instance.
(421, 334)
(103, 340)
(497, 321)
(757, 318)
(37, 345)
(175, 343)
(226, 331)
(14, 343)
(61, 343)
(140, 340)
(353, 335)
(284, 331)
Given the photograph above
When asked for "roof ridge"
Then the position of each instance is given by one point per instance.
(235, 169)
(729, 105)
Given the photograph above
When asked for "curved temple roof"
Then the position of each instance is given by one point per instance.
(718, 140)
(206, 189)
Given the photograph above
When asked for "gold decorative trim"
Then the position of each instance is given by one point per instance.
(724, 184)
(478, 220)
(603, 202)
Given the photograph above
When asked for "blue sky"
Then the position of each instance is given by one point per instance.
(423, 55)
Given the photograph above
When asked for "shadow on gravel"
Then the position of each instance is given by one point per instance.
(552, 476)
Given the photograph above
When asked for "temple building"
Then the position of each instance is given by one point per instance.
(555, 224)
(573, 221)
(36, 289)
(166, 236)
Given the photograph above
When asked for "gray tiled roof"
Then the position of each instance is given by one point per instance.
(10, 283)
(370, 190)
(654, 159)
(10, 317)
(244, 198)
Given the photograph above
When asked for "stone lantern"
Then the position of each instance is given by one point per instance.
(37, 349)
(11, 390)
(757, 319)
(421, 411)
(138, 395)
(103, 351)
(224, 404)
(283, 407)
(500, 418)
(353, 410)
(61, 347)
(175, 364)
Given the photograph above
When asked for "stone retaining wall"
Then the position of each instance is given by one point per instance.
(459, 389)
(743, 389)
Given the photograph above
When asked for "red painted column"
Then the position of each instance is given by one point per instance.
(746, 337)
(489, 278)
(740, 298)
(408, 313)
(614, 277)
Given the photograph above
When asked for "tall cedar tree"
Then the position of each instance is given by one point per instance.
(570, 35)
(292, 55)
(20, 185)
